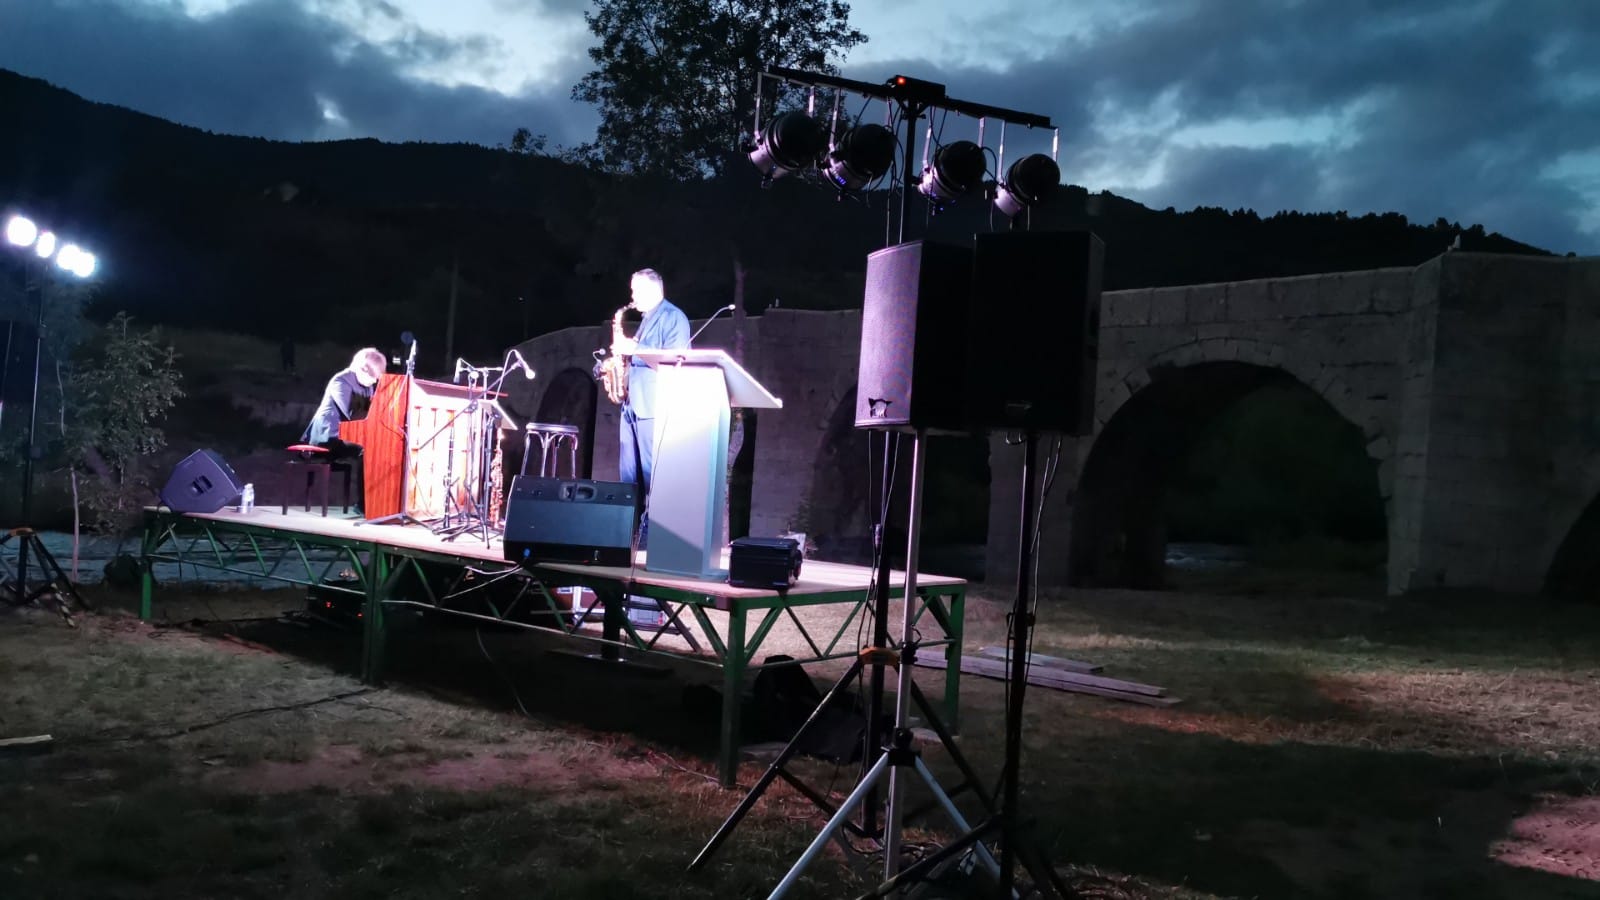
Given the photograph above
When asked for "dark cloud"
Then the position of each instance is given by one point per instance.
(270, 68)
(574, 7)
(1437, 107)
(1444, 109)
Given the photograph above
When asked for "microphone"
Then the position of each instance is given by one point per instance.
(460, 363)
(527, 370)
(728, 308)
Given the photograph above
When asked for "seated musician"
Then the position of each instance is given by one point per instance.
(357, 380)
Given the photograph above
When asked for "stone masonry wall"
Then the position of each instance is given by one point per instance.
(1474, 379)
(1507, 444)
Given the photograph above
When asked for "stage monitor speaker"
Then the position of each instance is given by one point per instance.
(569, 520)
(1034, 331)
(913, 346)
(202, 483)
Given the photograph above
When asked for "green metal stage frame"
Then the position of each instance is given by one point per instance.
(383, 574)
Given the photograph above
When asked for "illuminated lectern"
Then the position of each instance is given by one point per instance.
(689, 482)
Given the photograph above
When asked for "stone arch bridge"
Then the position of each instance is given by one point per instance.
(1474, 380)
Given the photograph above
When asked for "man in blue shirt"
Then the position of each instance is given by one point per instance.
(664, 327)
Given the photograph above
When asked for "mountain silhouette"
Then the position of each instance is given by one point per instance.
(358, 240)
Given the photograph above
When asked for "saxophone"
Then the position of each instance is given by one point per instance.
(614, 368)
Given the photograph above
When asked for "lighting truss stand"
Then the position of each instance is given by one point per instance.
(14, 587)
(915, 98)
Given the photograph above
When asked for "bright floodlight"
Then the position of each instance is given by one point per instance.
(76, 260)
(1030, 181)
(46, 245)
(21, 231)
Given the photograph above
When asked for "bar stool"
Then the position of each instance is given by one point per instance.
(551, 436)
(317, 465)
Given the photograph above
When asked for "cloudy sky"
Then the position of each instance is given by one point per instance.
(1479, 111)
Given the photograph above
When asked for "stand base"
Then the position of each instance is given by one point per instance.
(14, 585)
(898, 755)
(617, 664)
(395, 519)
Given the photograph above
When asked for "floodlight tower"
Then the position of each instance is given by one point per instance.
(38, 248)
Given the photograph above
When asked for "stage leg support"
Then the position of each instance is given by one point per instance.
(733, 664)
(372, 644)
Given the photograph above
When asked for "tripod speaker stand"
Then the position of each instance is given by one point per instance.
(899, 761)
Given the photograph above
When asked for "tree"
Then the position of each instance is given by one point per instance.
(118, 404)
(525, 141)
(675, 81)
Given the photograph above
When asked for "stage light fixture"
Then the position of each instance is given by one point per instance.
(45, 245)
(76, 260)
(20, 231)
(860, 156)
(957, 169)
(1030, 181)
(790, 142)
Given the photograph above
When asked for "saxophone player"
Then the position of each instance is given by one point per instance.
(664, 327)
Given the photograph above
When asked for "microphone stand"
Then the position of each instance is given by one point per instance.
(728, 308)
(472, 408)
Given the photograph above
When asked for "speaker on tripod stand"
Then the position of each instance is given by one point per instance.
(952, 351)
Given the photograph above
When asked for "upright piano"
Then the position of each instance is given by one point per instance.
(428, 447)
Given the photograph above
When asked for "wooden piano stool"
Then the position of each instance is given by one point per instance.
(318, 466)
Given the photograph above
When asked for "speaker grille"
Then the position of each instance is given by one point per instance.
(1034, 334)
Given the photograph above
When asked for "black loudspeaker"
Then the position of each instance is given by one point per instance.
(202, 483)
(1034, 334)
(571, 520)
(913, 344)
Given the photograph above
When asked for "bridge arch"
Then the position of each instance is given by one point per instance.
(569, 398)
(1572, 567)
(1148, 421)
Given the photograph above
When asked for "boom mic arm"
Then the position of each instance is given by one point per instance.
(728, 308)
(527, 370)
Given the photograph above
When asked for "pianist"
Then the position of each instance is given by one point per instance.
(338, 398)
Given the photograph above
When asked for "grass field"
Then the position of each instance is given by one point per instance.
(1330, 743)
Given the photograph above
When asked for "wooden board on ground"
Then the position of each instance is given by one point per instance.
(1111, 688)
(1053, 662)
(25, 746)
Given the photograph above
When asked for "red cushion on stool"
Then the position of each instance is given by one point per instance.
(306, 448)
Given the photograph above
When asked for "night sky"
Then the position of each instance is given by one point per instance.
(1479, 112)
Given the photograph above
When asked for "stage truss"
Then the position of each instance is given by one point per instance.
(379, 568)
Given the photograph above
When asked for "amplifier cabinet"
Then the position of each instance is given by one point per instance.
(772, 563)
(570, 520)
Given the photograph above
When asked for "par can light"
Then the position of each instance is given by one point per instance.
(790, 142)
(1030, 181)
(957, 169)
(860, 156)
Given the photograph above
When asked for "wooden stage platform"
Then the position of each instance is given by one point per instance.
(391, 565)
